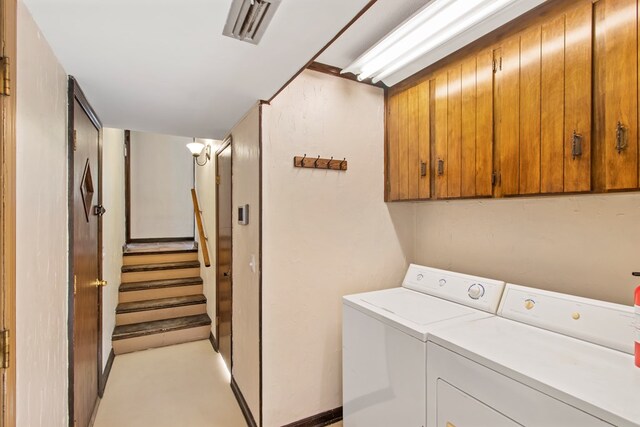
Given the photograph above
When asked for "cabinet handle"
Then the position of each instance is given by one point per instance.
(423, 169)
(440, 167)
(576, 145)
(621, 138)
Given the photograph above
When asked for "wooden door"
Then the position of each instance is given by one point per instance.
(616, 97)
(86, 263)
(224, 290)
(8, 221)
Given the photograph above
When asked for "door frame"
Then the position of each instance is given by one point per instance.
(8, 15)
(75, 94)
(227, 143)
(127, 200)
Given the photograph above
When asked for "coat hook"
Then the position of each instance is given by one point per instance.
(315, 164)
(302, 161)
(342, 162)
(329, 164)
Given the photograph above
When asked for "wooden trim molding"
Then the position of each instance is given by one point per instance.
(319, 420)
(105, 375)
(214, 342)
(244, 407)
(8, 15)
(127, 185)
(337, 72)
(326, 46)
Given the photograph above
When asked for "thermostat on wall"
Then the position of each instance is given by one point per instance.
(243, 215)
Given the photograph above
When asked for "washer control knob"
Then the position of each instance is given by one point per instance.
(420, 277)
(529, 304)
(476, 291)
(442, 282)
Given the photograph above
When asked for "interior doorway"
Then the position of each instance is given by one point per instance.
(224, 245)
(85, 288)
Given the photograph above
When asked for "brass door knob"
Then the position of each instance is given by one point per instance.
(99, 283)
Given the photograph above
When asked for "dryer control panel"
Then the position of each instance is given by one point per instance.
(604, 323)
(477, 292)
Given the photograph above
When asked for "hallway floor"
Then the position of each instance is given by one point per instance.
(181, 385)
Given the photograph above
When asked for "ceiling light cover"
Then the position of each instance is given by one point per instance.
(431, 29)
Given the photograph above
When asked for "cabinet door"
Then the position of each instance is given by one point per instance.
(543, 101)
(617, 82)
(408, 139)
(463, 144)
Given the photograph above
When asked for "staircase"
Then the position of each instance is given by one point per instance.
(160, 301)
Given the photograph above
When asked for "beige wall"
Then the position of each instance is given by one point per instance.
(206, 189)
(584, 245)
(245, 148)
(326, 234)
(161, 183)
(113, 229)
(41, 229)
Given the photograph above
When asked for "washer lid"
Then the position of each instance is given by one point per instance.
(415, 307)
(411, 312)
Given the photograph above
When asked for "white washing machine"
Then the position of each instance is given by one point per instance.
(546, 360)
(384, 342)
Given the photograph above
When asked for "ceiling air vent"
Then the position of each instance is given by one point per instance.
(248, 19)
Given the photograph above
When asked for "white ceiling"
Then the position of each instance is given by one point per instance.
(164, 66)
(377, 22)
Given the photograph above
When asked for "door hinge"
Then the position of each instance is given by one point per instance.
(217, 320)
(75, 284)
(4, 342)
(5, 87)
(495, 179)
(217, 179)
(75, 140)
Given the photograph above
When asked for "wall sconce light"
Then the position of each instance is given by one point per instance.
(197, 148)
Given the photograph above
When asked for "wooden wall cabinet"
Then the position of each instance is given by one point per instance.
(463, 128)
(409, 140)
(616, 94)
(543, 106)
(548, 105)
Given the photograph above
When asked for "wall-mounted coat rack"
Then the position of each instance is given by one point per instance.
(319, 163)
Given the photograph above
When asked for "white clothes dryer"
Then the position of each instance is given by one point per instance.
(546, 360)
(384, 342)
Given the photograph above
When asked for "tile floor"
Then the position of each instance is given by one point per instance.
(181, 385)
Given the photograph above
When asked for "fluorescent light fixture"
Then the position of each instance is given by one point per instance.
(195, 148)
(434, 25)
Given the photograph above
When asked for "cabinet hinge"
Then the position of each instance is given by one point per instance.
(497, 64)
(495, 178)
(217, 179)
(75, 140)
(5, 86)
(4, 342)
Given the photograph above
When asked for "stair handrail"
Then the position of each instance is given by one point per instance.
(203, 238)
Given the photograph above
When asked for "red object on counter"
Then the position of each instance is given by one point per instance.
(637, 307)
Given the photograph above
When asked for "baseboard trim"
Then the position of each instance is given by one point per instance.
(214, 342)
(244, 407)
(105, 375)
(319, 420)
